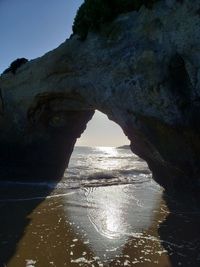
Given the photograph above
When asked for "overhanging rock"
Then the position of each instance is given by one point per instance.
(143, 71)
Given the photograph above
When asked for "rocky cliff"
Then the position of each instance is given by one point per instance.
(143, 71)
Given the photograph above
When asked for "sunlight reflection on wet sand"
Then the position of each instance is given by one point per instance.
(105, 212)
(102, 226)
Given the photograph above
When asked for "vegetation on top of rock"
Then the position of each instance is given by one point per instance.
(92, 14)
(15, 65)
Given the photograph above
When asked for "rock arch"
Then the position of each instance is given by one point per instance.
(141, 72)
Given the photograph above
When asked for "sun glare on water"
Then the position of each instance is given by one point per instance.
(108, 160)
(110, 151)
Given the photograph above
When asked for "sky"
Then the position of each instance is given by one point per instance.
(30, 28)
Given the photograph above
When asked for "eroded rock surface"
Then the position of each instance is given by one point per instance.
(143, 71)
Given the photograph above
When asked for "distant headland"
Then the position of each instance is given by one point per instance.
(124, 147)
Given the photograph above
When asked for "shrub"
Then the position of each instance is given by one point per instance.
(94, 13)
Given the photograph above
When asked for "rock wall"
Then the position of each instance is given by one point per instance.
(143, 71)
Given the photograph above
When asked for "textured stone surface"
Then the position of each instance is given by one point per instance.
(143, 71)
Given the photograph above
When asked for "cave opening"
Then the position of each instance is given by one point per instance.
(103, 132)
(111, 193)
(102, 157)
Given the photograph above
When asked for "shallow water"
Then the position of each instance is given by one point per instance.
(106, 211)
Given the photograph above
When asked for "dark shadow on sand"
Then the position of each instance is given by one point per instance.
(16, 203)
(180, 231)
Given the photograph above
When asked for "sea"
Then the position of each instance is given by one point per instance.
(105, 211)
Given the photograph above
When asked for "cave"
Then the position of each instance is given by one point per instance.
(130, 74)
(142, 70)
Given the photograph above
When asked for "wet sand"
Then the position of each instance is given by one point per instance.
(104, 226)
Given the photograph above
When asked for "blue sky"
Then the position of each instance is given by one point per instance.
(30, 28)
